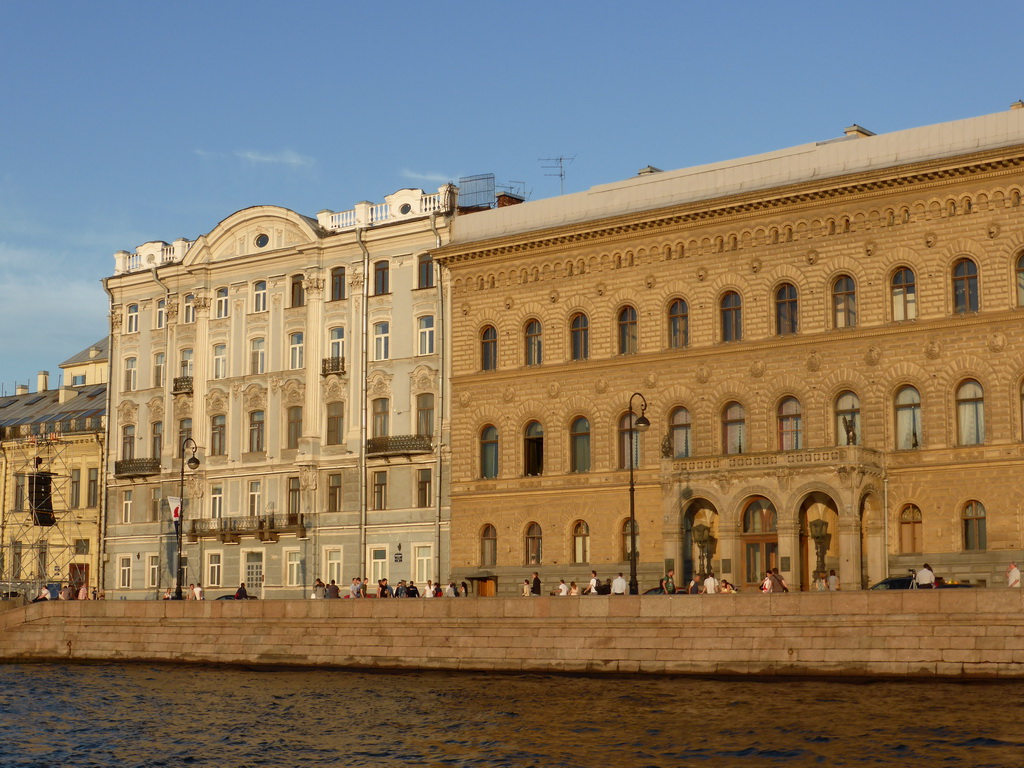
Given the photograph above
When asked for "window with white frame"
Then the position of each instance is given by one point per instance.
(156, 496)
(214, 573)
(423, 559)
(259, 296)
(257, 356)
(161, 314)
(378, 563)
(131, 371)
(132, 319)
(188, 313)
(425, 335)
(293, 567)
(253, 569)
(220, 361)
(217, 501)
(153, 571)
(381, 341)
(295, 351)
(124, 567)
(255, 497)
(158, 369)
(332, 558)
(221, 303)
(126, 507)
(186, 362)
(337, 343)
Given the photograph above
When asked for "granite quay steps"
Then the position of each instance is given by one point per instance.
(959, 633)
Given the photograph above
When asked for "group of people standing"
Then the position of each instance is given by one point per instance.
(360, 588)
(66, 592)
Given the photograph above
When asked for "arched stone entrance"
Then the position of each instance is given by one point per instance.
(759, 539)
(700, 539)
(819, 540)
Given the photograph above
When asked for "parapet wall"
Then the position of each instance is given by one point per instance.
(973, 633)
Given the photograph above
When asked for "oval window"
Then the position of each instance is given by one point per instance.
(262, 240)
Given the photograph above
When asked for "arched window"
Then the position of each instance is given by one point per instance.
(259, 296)
(381, 282)
(908, 419)
(489, 546)
(533, 449)
(629, 435)
(627, 540)
(973, 516)
(534, 544)
(425, 414)
(627, 331)
(335, 423)
(424, 271)
(970, 413)
(337, 284)
(760, 539)
(489, 349)
(678, 324)
(965, 287)
(579, 332)
(581, 542)
(256, 431)
(847, 419)
(579, 445)
(844, 302)
(131, 324)
(910, 529)
(679, 426)
(732, 317)
(785, 310)
(790, 425)
(904, 295)
(221, 305)
(733, 428)
(532, 337)
(489, 451)
(1020, 280)
(298, 291)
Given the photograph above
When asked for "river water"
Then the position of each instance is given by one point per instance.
(140, 715)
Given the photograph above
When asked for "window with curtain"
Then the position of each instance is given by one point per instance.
(903, 291)
(489, 546)
(256, 432)
(425, 414)
(965, 287)
(294, 426)
(534, 542)
(579, 445)
(627, 540)
(580, 542)
(532, 337)
(790, 425)
(679, 427)
(489, 451)
(335, 423)
(733, 428)
(381, 417)
(970, 413)
(844, 302)
(973, 517)
(908, 419)
(629, 441)
(678, 324)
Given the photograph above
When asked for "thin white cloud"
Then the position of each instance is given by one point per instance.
(285, 157)
(440, 178)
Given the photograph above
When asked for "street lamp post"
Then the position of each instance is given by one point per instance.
(640, 424)
(193, 464)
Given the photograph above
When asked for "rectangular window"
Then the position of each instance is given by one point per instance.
(157, 439)
(423, 558)
(381, 283)
(332, 557)
(295, 351)
(156, 495)
(425, 335)
(76, 489)
(424, 271)
(158, 369)
(93, 490)
(253, 570)
(213, 569)
(20, 497)
(334, 493)
(294, 496)
(294, 426)
(220, 361)
(259, 296)
(126, 507)
(132, 324)
(128, 442)
(337, 284)
(124, 567)
(81, 546)
(130, 374)
(293, 563)
(161, 313)
(188, 314)
(184, 435)
(381, 341)
(378, 563)
(153, 571)
(218, 436)
(381, 413)
(335, 423)
(380, 490)
(423, 484)
(186, 362)
(217, 501)
(221, 303)
(255, 498)
(257, 356)
(256, 423)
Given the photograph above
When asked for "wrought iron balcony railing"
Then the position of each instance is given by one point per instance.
(268, 527)
(331, 365)
(136, 467)
(395, 444)
(182, 385)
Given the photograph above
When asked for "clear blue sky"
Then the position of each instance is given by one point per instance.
(124, 122)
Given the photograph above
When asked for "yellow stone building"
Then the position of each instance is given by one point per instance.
(51, 466)
(828, 340)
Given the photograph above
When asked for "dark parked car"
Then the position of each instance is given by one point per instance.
(232, 597)
(907, 582)
(661, 591)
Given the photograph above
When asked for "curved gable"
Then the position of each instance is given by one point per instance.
(242, 234)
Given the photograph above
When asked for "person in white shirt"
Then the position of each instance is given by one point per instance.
(563, 588)
(429, 591)
(1013, 575)
(833, 580)
(710, 584)
(618, 585)
(925, 578)
(198, 591)
(592, 587)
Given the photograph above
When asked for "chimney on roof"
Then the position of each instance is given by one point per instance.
(856, 130)
(648, 170)
(1018, 104)
(505, 199)
(93, 351)
(43, 381)
(21, 389)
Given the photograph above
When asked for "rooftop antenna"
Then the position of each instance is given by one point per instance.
(515, 188)
(559, 164)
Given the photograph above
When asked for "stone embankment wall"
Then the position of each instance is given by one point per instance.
(974, 633)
